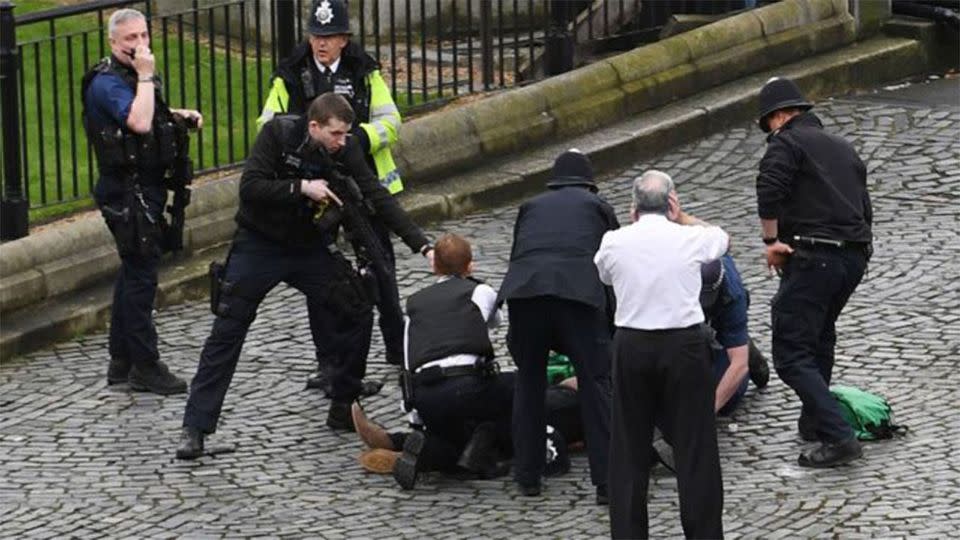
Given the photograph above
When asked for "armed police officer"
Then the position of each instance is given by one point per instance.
(141, 149)
(329, 62)
(816, 218)
(299, 171)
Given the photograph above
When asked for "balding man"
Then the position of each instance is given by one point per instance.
(662, 373)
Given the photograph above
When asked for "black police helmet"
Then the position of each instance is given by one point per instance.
(777, 94)
(572, 168)
(711, 276)
(328, 18)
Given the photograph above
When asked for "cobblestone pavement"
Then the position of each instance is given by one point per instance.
(80, 459)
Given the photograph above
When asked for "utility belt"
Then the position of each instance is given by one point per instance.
(136, 230)
(159, 149)
(434, 374)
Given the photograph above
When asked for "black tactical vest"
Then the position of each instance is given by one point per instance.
(444, 321)
(120, 150)
(305, 82)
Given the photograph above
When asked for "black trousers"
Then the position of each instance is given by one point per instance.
(580, 331)
(451, 408)
(663, 378)
(256, 266)
(814, 288)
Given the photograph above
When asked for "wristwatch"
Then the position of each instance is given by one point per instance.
(770, 241)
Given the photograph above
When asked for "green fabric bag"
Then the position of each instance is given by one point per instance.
(559, 368)
(868, 414)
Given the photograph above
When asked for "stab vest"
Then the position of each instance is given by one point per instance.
(444, 321)
(119, 149)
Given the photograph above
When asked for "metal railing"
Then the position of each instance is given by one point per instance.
(217, 56)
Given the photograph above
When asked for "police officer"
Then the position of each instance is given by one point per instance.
(277, 240)
(816, 218)
(140, 145)
(556, 302)
(329, 62)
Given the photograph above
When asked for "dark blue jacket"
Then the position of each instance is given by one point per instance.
(555, 238)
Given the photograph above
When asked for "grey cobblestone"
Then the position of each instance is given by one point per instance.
(80, 459)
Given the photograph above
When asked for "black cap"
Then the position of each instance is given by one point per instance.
(779, 93)
(328, 18)
(572, 168)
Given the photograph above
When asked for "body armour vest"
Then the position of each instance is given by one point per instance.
(119, 149)
(349, 81)
(444, 321)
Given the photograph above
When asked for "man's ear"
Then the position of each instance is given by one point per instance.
(633, 214)
(673, 207)
(470, 268)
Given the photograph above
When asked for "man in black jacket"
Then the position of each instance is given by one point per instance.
(277, 240)
(556, 302)
(327, 61)
(816, 218)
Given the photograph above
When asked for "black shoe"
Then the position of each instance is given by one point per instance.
(602, 498)
(405, 469)
(339, 417)
(118, 371)
(558, 457)
(480, 453)
(758, 367)
(318, 379)
(156, 378)
(370, 387)
(831, 454)
(531, 490)
(191, 443)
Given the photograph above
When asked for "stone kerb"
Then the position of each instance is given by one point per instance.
(436, 146)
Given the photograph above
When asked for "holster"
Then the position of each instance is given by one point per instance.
(215, 275)
(136, 233)
(347, 291)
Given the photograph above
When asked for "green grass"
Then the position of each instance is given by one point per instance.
(49, 64)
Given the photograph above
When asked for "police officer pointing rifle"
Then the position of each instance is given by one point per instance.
(816, 217)
(289, 172)
(142, 151)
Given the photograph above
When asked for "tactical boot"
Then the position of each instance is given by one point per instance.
(831, 454)
(602, 498)
(758, 367)
(370, 433)
(191, 443)
(529, 490)
(318, 379)
(118, 371)
(156, 378)
(480, 453)
(338, 417)
(405, 471)
(807, 428)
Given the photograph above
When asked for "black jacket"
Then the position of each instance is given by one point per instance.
(271, 202)
(814, 184)
(304, 82)
(556, 235)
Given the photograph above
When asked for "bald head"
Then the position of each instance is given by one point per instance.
(651, 193)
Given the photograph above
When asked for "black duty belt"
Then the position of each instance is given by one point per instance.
(814, 242)
(434, 374)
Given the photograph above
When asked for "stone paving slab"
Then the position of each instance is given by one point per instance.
(78, 459)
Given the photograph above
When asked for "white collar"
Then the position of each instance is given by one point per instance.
(333, 67)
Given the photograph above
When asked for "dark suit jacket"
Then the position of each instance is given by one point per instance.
(555, 238)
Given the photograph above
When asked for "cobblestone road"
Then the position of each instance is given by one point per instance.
(80, 459)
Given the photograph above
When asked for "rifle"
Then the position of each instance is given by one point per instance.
(178, 181)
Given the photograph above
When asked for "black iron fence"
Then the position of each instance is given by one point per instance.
(217, 56)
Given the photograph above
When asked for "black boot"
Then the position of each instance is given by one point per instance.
(758, 367)
(807, 428)
(118, 371)
(480, 453)
(319, 379)
(406, 469)
(602, 498)
(339, 417)
(156, 378)
(831, 454)
(191, 443)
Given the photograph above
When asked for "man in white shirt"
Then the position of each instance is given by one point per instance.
(662, 373)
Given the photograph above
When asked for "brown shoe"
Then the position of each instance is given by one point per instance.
(379, 460)
(370, 433)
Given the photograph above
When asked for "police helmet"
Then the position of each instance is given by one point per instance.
(572, 168)
(328, 18)
(779, 93)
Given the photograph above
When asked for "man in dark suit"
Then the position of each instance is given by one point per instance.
(556, 302)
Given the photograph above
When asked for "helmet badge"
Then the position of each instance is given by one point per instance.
(324, 13)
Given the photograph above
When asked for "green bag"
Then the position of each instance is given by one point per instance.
(559, 368)
(868, 414)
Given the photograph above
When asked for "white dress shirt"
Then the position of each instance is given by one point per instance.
(654, 268)
(486, 299)
(323, 69)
